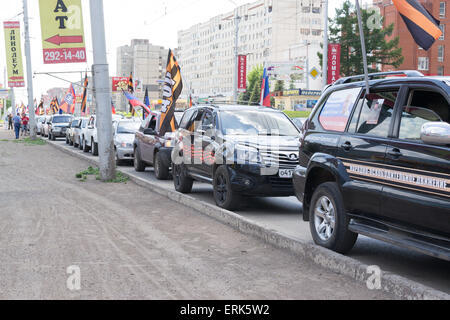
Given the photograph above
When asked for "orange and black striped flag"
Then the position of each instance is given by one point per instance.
(423, 27)
(84, 101)
(173, 85)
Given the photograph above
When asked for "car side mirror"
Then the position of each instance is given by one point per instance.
(149, 132)
(436, 133)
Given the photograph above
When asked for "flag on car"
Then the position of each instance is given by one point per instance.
(68, 105)
(173, 85)
(84, 100)
(134, 102)
(265, 90)
(147, 103)
(55, 106)
(423, 27)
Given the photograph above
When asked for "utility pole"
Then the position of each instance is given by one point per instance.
(307, 43)
(102, 93)
(236, 58)
(363, 46)
(29, 72)
(325, 47)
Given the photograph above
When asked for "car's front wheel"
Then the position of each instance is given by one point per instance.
(224, 196)
(85, 146)
(181, 181)
(329, 221)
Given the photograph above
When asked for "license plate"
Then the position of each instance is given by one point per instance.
(286, 173)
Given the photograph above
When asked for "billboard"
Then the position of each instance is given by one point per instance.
(286, 71)
(334, 63)
(242, 73)
(119, 83)
(62, 31)
(14, 54)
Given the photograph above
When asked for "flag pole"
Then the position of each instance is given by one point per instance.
(363, 46)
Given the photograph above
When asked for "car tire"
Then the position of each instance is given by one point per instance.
(94, 148)
(161, 168)
(53, 137)
(71, 142)
(67, 140)
(85, 146)
(181, 181)
(139, 165)
(328, 220)
(224, 196)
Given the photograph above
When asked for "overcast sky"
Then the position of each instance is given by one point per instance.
(156, 20)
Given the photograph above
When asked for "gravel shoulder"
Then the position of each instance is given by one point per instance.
(131, 243)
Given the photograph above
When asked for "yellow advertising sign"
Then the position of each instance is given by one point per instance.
(62, 31)
(14, 54)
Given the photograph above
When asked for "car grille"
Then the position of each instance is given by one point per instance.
(284, 158)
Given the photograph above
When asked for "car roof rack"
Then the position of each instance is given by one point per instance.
(407, 73)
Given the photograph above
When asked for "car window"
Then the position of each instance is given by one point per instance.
(336, 111)
(374, 113)
(208, 120)
(152, 123)
(423, 106)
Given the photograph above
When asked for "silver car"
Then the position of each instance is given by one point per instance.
(124, 133)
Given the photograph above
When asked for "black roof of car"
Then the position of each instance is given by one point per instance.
(224, 107)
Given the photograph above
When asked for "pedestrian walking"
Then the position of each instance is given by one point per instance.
(17, 123)
(25, 121)
(10, 122)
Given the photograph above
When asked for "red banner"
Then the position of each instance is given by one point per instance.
(119, 83)
(242, 73)
(334, 63)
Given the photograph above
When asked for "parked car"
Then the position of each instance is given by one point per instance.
(71, 130)
(90, 141)
(124, 134)
(44, 129)
(77, 132)
(242, 151)
(378, 163)
(39, 122)
(58, 125)
(153, 149)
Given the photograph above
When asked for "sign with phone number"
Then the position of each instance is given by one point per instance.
(69, 55)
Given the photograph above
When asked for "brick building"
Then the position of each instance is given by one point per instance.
(431, 62)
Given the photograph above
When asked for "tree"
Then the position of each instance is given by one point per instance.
(253, 93)
(380, 51)
(279, 86)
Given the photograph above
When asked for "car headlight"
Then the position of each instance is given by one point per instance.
(168, 144)
(246, 154)
(126, 145)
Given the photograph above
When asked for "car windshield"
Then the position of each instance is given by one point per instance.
(257, 123)
(128, 127)
(61, 119)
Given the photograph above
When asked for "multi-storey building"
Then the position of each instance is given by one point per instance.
(269, 31)
(147, 62)
(429, 62)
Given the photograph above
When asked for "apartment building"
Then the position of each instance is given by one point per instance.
(147, 62)
(429, 62)
(269, 31)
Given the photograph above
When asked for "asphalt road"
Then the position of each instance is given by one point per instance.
(284, 215)
(126, 242)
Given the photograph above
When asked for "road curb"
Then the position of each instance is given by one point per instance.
(399, 286)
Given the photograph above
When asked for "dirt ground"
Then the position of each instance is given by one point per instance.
(130, 243)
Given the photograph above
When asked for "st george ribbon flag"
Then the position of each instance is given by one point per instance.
(68, 105)
(423, 27)
(173, 85)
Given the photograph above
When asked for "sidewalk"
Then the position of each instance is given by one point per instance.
(130, 243)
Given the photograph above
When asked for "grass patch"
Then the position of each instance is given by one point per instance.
(29, 142)
(83, 176)
(297, 114)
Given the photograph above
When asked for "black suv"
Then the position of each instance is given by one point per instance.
(378, 163)
(240, 150)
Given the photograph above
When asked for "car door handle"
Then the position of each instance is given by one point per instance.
(395, 153)
(347, 146)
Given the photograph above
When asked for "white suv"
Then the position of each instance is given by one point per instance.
(89, 138)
